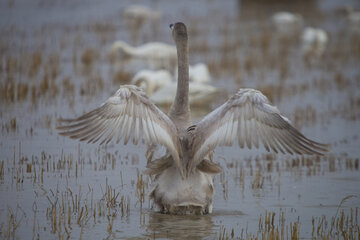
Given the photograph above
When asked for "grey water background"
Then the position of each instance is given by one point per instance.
(320, 96)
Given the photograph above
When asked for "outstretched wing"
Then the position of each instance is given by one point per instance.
(129, 112)
(249, 118)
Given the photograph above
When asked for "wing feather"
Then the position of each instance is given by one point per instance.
(255, 132)
(249, 118)
(128, 114)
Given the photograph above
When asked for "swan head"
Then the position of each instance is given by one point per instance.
(179, 32)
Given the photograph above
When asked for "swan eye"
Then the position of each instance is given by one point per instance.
(171, 26)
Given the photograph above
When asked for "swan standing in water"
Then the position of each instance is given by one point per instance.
(155, 54)
(141, 13)
(135, 16)
(314, 41)
(182, 178)
(287, 23)
(160, 87)
(151, 81)
(198, 73)
(200, 94)
(353, 19)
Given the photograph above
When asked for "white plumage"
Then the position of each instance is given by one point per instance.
(152, 80)
(314, 41)
(116, 117)
(154, 54)
(200, 94)
(136, 16)
(141, 12)
(353, 18)
(198, 73)
(287, 23)
(160, 87)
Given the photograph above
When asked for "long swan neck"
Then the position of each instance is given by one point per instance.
(180, 109)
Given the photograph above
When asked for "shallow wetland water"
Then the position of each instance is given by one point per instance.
(54, 61)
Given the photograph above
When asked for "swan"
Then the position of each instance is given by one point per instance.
(140, 12)
(151, 80)
(353, 18)
(135, 16)
(314, 41)
(198, 73)
(155, 54)
(200, 94)
(286, 22)
(183, 177)
(160, 87)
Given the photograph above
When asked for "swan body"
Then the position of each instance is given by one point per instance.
(182, 178)
(314, 41)
(200, 94)
(135, 17)
(155, 54)
(286, 22)
(161, 89)
(141, 12)
(151, 81)
(196, 191)
(353, 18)
(198, 73)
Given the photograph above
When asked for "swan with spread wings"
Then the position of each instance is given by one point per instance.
(183, 177)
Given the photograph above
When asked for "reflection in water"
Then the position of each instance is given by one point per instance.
(179, 227)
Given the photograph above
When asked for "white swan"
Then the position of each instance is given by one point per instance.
(198, 73)
(161, 88)
(353, 18)
(183, 176)
(200, 94)
(151, 80)
(287, 23)
(155, 54)
(140, 12)
(135, 17)
(314, 41)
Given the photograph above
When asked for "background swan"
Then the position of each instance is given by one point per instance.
(198, 73)
(353, 18)
(314, 41)
(287, 23)
(151, 80)
(135, 17)
(141, 12)
(182, 178)
(161, 88)
(200, 94)
(155, 54)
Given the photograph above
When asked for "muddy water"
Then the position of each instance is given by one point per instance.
(54, 62)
